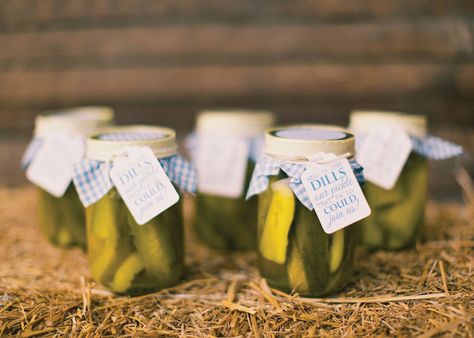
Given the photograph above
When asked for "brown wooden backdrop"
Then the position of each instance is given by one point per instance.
(161, 61)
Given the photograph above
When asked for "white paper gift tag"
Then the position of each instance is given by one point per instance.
(335, 194)
(51, 167)
(221, 163)
(383, 153)
(142, 183)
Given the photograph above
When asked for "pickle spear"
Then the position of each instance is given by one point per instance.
(126, 273)
(337, 250)
(274, 239)
(105, 224)
(296, 272)
(154, 244)
(402, 220)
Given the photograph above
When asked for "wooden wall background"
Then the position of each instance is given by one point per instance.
(161, 61)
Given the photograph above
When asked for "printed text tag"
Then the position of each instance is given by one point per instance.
(51, 167)
(335, 194)
(142, 183)
(383, 153)
(221, 164)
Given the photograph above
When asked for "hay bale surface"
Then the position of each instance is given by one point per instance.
(427, 291)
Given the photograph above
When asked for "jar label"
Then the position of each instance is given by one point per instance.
(142, 183)
(383, 153)
(334, 193)
(221, 163)
(52, 166)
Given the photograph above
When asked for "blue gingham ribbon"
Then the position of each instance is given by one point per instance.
(432, 147)
(268, 166)
(255, 146)
(435, 148)
(92, 179)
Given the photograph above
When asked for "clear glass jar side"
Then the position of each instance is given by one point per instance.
(397, 214)
(62, 220)
(295, 254)
(129, 258)
(227, 223)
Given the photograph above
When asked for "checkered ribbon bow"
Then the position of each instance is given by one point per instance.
(435, 148)
(92, 180)
(268, 166)
(432, 147)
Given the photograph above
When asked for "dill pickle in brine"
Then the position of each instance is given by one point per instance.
(227, 223)
(62, 219)
(397, 214)
(129, 258)
(295, 254)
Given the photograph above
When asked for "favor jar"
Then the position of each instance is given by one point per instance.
(124, 256)
(227, 144)
(62, 218)
(295, 254)
(398, 213)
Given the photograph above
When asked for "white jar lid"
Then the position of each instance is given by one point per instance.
(362, 121)
(107, 142)
(238, 123)
(83, 120)
(301, 142)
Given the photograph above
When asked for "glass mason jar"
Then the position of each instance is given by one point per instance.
(62, 219)
(294, 252)
(397, 214)
(124, 256)
(224, 222)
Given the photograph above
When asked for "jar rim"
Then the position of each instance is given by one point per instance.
(104, 149)
(234, 122)
(83, 120)
(362, 121)
(278, 146)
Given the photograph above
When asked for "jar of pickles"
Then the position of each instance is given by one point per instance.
(58, 142)
(226, 146)
(395, 142)
(295, 254)
(125, 255)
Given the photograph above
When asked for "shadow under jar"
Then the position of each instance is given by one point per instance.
(397, 214)
(127, 257)
(221, 221)
(294, 252)
(62, 219)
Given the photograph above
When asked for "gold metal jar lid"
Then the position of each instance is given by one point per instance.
(302, 142)
(108, 142)
(234, 122)
(362, 121)
(83, 120)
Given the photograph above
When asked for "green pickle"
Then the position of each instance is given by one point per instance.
(295, 254)
(227, 223)
(62, 220)
(397, 214)
(129, 258)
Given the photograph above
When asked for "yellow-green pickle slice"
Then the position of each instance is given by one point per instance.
(296, 271)
(274, 238)
(126, 273)
(107, 224)
(337, 250)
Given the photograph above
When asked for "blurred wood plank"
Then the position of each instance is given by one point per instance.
(24, 14)
(181, 115)
(20, 88)
(225, 44)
